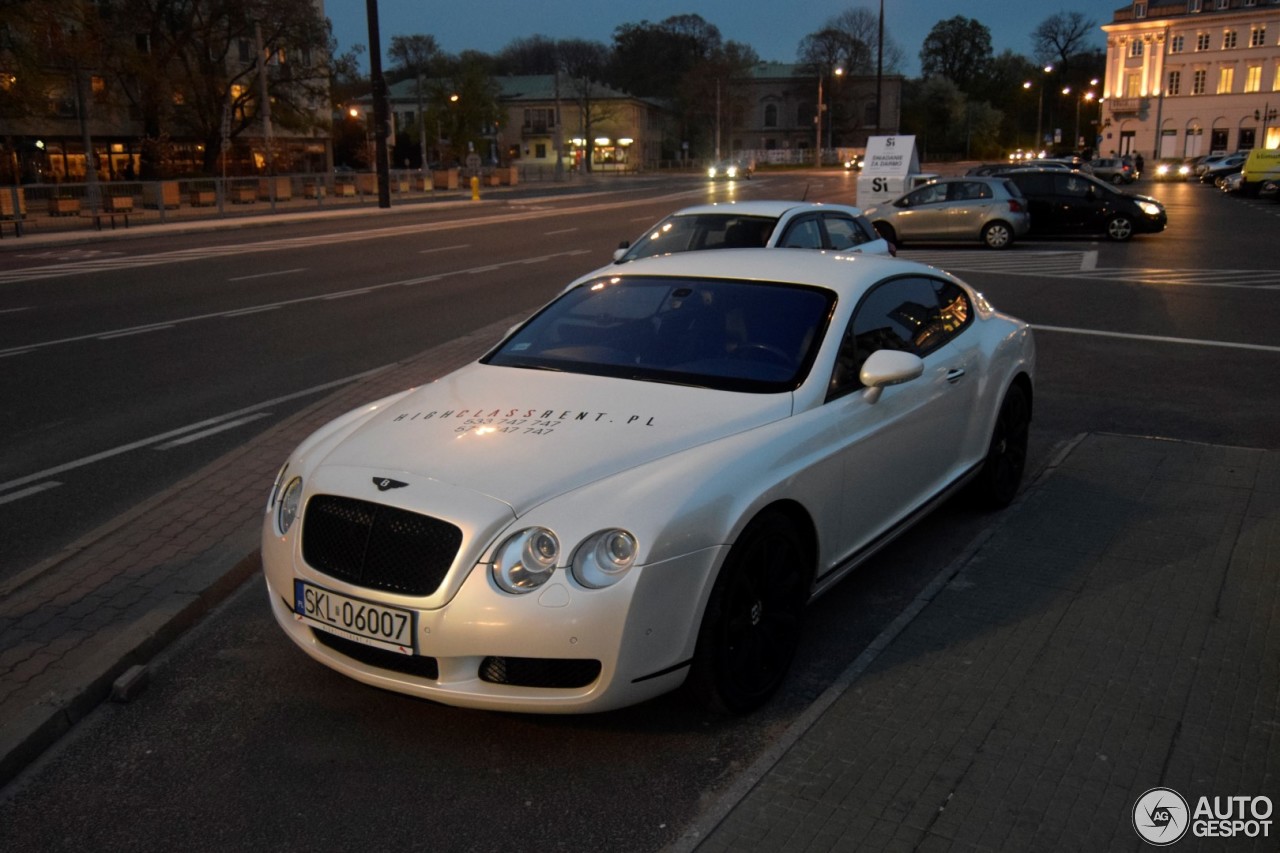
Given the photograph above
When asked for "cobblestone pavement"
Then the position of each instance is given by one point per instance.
(1119, 631)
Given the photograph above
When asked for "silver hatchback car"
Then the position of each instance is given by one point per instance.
(991, 209)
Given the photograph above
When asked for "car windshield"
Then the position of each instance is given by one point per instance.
(693, 232)
(725, 335)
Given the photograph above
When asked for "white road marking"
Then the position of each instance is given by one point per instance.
(140, 330)
(26, 493)
(561, 231)
(1162, 339)
(267, 274)
(174, 433)
(320, 297)
(14, 310)
(197, 436)
(444, 249)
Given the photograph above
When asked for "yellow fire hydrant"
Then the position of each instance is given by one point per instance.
(475, 188)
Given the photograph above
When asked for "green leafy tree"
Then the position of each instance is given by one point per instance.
(959, 49)
(651, 60)
(537, 54)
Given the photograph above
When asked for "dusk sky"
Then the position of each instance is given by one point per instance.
(773, 29)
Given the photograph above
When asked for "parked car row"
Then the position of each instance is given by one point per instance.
(999, 210)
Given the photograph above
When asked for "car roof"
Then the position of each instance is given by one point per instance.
(951, 179)
(774, 209)
(848, 274)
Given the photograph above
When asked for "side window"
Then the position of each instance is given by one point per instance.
(804, 233)
(968, 190)
(1035, 184)
(910, 314)
(930, 194)
(844, 232)
(1070, 185)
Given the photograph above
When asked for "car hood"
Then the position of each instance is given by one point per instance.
(524, 436)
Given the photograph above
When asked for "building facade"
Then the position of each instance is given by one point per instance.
(776, 120)
(1192, 77)
(588, 123)
(77, 116)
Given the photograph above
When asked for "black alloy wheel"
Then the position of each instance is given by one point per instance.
(1001, 473)
(751, 627)
(1119, 228)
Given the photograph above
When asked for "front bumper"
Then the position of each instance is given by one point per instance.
(507, 652)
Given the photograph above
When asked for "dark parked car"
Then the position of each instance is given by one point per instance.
(1223, 168)
(1074, 203)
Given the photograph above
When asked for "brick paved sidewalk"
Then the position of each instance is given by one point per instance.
(73, 625)
(1119, 631)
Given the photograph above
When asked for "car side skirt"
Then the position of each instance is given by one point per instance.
(833, 575)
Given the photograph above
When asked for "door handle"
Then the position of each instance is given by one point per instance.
(955, 374)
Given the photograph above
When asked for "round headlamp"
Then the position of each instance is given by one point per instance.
(290, 500)
(604, 558)
(525, 560)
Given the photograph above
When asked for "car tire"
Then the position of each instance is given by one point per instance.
(1001, 473)
(1119, 228)
(885, 230)
(997, 235)
(1117, 179)
(751, 627)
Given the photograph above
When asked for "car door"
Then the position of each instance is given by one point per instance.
(969, 206)
(1080, 203)
(1037, 188)
(903, 449)
(925, 214)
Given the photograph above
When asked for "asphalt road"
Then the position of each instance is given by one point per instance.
(241, 743)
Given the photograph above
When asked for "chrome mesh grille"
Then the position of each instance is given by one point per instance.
(377, 546)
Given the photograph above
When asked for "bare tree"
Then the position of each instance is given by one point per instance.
(862, 25)
(1062, 37)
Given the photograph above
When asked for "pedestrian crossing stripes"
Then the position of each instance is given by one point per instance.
(1083, 265)
(1013, 263)
(1258, 279)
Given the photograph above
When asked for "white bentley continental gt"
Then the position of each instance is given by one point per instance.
(644, 484)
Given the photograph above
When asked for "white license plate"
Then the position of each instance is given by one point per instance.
(391, 628)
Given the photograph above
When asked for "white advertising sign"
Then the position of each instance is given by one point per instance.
(887, 172)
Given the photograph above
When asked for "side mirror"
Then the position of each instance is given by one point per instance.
(888, 367)
(902, 202)
(621, 250)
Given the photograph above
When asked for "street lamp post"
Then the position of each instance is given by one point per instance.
(817, 119)
(1039, 140)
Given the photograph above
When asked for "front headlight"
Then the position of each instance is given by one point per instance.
(1150, 208)
(289, 502)
(526, 560)
(604, 558)
(711, 173)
